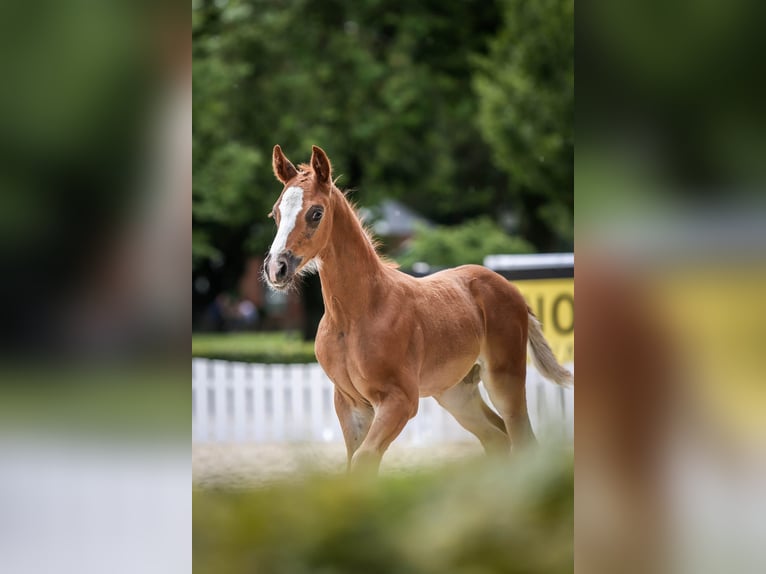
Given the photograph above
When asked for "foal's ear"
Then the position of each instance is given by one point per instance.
(320, 163)
(283, 169)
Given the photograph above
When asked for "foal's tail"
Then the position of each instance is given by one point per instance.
(543, 357)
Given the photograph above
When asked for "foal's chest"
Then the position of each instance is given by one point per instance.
(332, 351)
(332, 354)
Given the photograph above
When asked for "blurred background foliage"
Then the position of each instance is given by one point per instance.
(459, 112)
(469, 242)
(475, 517)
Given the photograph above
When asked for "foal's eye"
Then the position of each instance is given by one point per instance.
(314, 214)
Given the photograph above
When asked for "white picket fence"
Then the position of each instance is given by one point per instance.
(241, 402)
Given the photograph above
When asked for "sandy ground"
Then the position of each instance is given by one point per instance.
(252, 464)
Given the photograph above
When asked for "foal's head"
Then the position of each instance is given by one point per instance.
(303, 217)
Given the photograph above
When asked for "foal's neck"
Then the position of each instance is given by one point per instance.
(350, 267)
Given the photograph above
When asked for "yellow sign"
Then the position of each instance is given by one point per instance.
(552, 300)
(714, 319)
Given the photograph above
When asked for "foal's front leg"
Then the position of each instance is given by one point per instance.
(391, 415)
(354, 421)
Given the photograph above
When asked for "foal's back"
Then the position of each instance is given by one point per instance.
(471, 296)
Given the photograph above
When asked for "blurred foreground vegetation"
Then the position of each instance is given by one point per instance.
(478, 516)
(253, 347)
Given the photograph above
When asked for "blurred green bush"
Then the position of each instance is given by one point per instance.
(477, 517)
(253, 347)
(470, 242)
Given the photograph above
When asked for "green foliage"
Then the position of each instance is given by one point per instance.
(385, 89)
(470, 242)
(478, 518)
(253, 347)
(526, 109)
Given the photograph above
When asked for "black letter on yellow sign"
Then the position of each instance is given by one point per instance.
(556, 318)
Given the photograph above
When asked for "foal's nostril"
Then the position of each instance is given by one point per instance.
(281, 269)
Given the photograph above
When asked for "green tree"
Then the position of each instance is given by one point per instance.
(385, 88)
(525, 87)
(381, 87)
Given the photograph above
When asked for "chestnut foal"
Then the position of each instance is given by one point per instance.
(387, 338)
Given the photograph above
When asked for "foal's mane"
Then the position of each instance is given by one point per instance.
(305, 173)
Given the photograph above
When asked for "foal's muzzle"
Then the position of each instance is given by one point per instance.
(280, 269)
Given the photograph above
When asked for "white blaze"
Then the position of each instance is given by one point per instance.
(289, 208)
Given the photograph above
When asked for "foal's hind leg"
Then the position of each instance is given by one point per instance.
(464, 402)
(506, 388)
